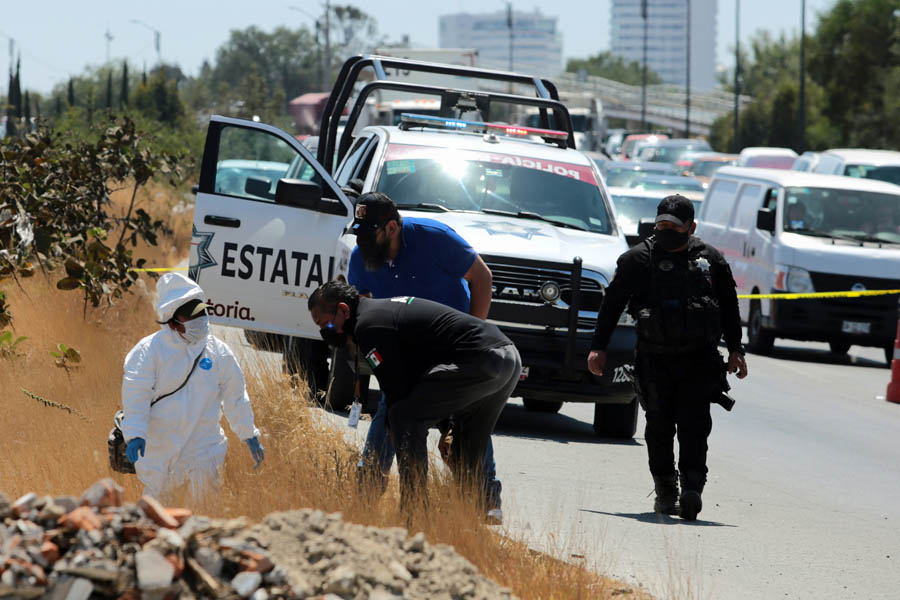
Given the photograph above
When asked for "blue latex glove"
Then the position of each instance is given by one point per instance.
(256, 450)
(134, 446)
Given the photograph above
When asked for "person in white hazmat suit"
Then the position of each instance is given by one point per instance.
(180, 439)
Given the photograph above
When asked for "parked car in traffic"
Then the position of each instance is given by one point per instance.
(704, 166)
(622, 173)
(789, 231)
(883, 165)
(671, 151)
(634, 142)
(634, 206)
(763, 157)
(806, 161)
(671, 184)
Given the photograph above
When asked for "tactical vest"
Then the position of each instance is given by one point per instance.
(681, 312)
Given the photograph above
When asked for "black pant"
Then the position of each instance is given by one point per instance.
(472, 391)
(675, 390)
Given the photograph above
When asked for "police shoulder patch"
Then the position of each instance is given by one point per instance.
(666, 265)
(374, 358)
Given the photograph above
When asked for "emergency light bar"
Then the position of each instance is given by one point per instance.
(409, 119)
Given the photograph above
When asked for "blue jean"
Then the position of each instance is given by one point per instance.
(379, 452)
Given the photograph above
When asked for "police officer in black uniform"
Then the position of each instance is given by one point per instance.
(681, 294)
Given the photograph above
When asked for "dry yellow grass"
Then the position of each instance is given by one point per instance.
(308, 462)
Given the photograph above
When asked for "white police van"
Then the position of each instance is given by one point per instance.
(791, 231)
(531, 205)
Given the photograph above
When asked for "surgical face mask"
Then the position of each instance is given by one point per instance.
(671, 239)
(332, 337)
(195, 329)
(374, 254)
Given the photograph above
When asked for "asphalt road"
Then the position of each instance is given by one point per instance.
(803, 498)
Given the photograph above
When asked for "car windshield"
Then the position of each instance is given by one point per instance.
(771, 162)
(706, 168)
(441, 179)
(630, 209)
(672, 154)
(668, 184)
(889, 173)
(866, 216)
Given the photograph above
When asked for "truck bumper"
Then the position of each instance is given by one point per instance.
(860, 321)
(551, 379)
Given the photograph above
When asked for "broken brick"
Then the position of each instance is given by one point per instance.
(81, 518)
(176, 562)
(180, 514)
(50, 552)
(104, 493)
(155, 511)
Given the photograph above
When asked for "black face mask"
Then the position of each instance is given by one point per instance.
(374, 254)
(670, 239)
(332, 337)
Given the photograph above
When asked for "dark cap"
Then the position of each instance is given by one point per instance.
(675, 208)
(373, 210)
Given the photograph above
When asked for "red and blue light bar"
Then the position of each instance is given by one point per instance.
(480, 127)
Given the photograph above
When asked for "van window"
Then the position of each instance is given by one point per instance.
(353, 156)
(842, 214)
(748, 203)
(719, 201)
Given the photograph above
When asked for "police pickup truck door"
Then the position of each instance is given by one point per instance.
(263, 239)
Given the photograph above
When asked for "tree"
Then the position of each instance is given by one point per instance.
(123, 90)
(71, 94)
(16, 92)
(27, 111)
(158, 99)
(109, 98)
(855, 57)
(611, 66)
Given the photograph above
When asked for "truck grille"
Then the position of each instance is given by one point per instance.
(523, 283)
(829, 282)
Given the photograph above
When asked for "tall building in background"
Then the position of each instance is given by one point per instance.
(536, 47)
(667, 38)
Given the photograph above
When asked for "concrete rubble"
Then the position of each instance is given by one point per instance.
(95, 546)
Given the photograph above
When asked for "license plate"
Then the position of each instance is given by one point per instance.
(524, 374)
(856, 327)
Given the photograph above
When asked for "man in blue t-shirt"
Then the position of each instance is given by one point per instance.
(426, 259)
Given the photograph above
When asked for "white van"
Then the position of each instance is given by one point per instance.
(790, 231)
(883, 165)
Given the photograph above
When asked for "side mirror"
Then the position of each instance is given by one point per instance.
(301, 193)
(645, 228)
(258, 186)
(765, 220)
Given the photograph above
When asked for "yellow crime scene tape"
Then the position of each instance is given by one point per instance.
(795, 296)
(781, 296)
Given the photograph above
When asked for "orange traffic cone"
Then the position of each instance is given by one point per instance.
(893, 389)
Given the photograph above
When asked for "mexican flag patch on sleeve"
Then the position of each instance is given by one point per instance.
(373, 358)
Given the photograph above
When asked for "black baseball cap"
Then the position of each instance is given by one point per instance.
(373, 210)
(675, 208)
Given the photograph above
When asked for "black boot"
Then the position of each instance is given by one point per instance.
(666, 502)
(691, 488)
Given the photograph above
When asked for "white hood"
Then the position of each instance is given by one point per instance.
(172, 291)
(497, 235)
(840, 257)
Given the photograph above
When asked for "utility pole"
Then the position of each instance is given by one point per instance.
(644, 75)
(109, 38)
(736, 139)
(157, 36)
(802, 138)
(509, 26)
(328, 43)
(687, 100)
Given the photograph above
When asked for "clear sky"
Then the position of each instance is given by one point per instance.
(59, 38)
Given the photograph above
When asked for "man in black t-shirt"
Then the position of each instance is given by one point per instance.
(432, 362)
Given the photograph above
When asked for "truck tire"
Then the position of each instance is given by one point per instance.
(543, 406)
(616, 420)
(341, 381)
(760, 340)
(839, 347)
